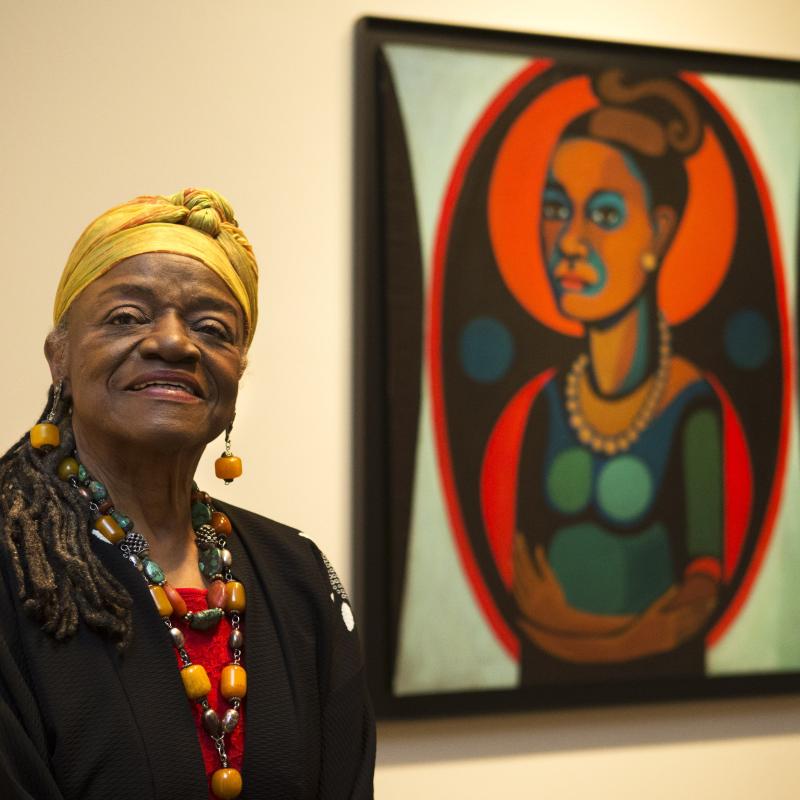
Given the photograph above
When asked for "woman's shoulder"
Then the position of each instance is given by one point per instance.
(685, 378)
(278, 548)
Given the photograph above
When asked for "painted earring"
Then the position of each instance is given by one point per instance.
(228, 466)
(649, 262)
(45, 435)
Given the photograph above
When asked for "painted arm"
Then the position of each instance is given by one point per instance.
(541, 600)
(672, 619)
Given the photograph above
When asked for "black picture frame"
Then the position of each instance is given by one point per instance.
(389, 319)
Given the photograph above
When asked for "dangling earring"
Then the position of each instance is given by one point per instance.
(45, 435)
(649, 262)
(228, 466)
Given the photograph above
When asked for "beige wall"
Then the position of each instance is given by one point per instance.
(103, 100)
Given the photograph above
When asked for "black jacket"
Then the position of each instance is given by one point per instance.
(79, 721)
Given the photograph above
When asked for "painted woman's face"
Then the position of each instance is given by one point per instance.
(595, 228)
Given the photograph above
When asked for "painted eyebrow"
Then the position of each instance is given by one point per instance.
(554, 186)
(149, 294)
(600, 193)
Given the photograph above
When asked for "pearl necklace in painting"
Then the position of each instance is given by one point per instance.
(620, 442)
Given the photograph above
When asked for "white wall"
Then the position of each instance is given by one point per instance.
(103, 100)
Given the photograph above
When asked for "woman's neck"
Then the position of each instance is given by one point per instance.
(154, 490)
(623, 352)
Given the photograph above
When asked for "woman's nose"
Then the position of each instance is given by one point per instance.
(572, 242)
(169, 340)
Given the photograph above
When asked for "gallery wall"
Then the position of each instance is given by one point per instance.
(103, 101)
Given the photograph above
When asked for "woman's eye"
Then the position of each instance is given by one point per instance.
(213, 328)
(553, 210)
(125, 318)
(605, 216)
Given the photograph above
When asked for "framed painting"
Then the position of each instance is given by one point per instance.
(577, 469)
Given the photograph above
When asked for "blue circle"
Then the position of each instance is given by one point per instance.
(486, 349)
(748, 341)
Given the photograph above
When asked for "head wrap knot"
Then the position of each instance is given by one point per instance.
(198, 223)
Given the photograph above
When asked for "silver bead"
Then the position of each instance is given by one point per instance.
(177, 637)
(211, 722)
(236, 639)
(227, 558)
(230, 720)
(136, 561)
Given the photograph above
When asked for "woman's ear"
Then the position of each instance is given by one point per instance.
(664, 223)
(55, 351)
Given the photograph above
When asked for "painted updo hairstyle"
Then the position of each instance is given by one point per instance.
(656, 125)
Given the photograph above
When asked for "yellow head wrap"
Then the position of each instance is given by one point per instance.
(198, 223)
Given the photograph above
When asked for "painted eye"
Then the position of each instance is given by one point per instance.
(553, 210)
(605, 216)
(607, 210)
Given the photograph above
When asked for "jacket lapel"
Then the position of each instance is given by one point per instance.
(150, 677)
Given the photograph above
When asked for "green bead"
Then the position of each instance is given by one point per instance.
(201, 514)
(98, 491)
(83, 475)
(124, 522)
(210, 561)
(206, 619)
(154, 573)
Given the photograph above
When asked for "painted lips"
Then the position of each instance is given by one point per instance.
(575, 277)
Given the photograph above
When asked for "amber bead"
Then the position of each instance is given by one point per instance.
(105, 507)
(228, 467)
(195, 681)
(234, 596)
(233, 681)
(175, 600)
(226, 783)
(216, 594)
(68, 468)
(110, 528)
(45, 435)
(220, 523)
(160, 599)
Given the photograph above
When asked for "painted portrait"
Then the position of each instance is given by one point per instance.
(589, 280)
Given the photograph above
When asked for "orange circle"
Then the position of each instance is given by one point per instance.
(698, 258)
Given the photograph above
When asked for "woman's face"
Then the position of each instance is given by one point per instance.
(153, 354)
(595, 228)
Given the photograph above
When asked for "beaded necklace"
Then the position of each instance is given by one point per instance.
(620, 442)
(225, 595)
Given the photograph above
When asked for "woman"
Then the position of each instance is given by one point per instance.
(618, 561)
(155, 642)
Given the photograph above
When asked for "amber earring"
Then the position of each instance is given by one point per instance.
(649, 262)
(228, 466)
(45, 435)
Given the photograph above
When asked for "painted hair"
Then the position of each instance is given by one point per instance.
(656, 124)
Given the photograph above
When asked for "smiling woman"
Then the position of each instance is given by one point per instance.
(118, 572)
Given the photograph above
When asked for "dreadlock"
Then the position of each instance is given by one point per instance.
(46, 534)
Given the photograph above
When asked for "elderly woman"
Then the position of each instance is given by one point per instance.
(157, 643)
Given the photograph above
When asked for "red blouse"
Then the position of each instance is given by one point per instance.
(210, 648)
